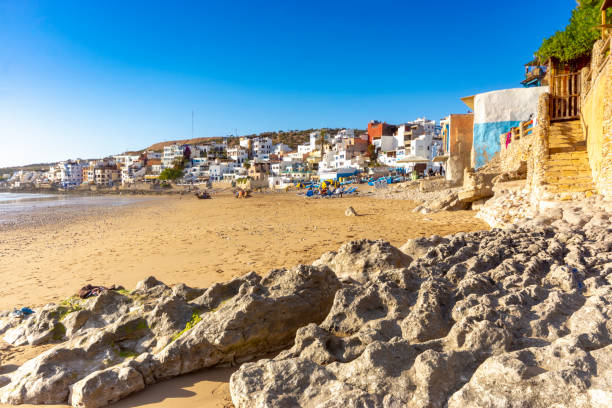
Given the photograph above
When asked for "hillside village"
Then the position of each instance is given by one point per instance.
(255, 160)
(548, 138)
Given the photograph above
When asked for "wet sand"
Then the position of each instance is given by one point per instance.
(198, 242)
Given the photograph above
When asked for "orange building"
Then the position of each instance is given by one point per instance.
(377, 129)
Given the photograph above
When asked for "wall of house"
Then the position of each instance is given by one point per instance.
(497, 112)
(597, 123)
(459, 146)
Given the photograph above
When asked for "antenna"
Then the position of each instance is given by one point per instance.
(192, 123)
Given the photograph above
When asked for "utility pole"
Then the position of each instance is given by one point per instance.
(322, 141)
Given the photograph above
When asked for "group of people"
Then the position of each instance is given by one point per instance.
(242, 193)
(438, 172)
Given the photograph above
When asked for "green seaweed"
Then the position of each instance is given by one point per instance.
(59, 331)
(127, 354)
(67, 306)
(195, 319)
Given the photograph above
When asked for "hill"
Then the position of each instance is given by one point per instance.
(289, 137)
(28, 167)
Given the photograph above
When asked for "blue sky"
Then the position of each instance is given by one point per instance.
(87, 79)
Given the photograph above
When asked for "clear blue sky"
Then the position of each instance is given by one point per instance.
(92, 78)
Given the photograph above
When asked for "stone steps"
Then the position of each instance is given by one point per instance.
(569, 188)
(567, 169)
(583, 180)
(566, 137)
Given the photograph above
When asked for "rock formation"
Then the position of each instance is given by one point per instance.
(112, 345)
(503, 318)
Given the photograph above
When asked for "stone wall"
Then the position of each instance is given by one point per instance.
(514, 156)
(597, 116)
(539, 149)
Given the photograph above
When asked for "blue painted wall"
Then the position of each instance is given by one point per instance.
(486, 139)
(447, 128)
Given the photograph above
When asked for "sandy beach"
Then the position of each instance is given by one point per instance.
(198, 242)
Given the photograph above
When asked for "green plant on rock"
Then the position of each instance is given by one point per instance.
(59, 331)
(124, 353)
(578, 37)
(67, 306)
(195, 319)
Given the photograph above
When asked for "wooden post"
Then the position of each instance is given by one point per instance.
(603, 24)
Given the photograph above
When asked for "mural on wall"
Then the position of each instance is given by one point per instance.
(497, 112)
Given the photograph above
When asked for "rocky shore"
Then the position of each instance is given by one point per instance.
(510, 317)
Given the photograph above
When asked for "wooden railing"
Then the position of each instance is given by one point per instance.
(523, 129)
(565, 96)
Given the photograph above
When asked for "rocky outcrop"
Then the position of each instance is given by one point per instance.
(501, 318)
(117, 343)
(357, 260)
(515, 205)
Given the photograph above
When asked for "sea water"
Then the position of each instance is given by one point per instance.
(15, 205)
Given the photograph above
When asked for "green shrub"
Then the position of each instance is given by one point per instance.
(171, 174)
(578, 37)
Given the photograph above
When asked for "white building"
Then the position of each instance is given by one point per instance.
(428, 125)
(171, 153)
(133, 172)
(280, 149)
(245, 143)
(211, 150)
(197, 172)
(126, 159)
(218, 170)
(340, 159)
(25, 177)
(199, 161)
(311, 146)
(343, 134)
(238, 154)
(70, 172)
(277, 168)
(153, 155)
(262, 147)
(304, 149)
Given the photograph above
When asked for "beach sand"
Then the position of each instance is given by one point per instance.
(198, 242)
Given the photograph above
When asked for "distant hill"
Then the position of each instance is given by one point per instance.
(158, 147)
(292, 138)
(27, 167)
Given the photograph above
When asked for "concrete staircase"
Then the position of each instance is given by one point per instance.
(567, 169)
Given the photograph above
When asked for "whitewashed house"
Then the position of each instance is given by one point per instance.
(280, 149)
(262, 147)
(238, 154)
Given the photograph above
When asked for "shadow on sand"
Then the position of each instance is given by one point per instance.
(201, 388)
